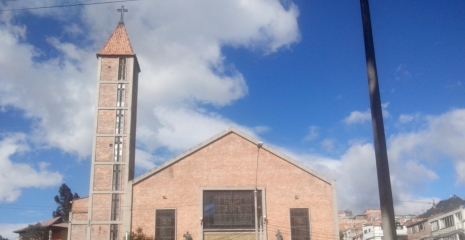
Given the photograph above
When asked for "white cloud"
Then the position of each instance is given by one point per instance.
(402, 73)
(328, 144)
(358, 117)
(410, 154)
(405, 118)
(261, 129)
(313, 133)
(180, 129)
(145, 160)
(443, 135)
(16, 176)
(55, 92)
(362, 117)
(179, 50)
(357, 182)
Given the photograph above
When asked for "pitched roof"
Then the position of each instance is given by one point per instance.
(414, 221)
(54, 222)
(118, 43)
(219, 136)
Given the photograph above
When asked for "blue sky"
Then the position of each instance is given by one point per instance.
(290, 73)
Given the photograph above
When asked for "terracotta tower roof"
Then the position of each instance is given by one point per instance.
(118, 43)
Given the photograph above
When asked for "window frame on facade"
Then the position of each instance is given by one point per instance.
(452, 237)
(116, 180)
(161, 230)
(434, 225)
(115, 206)
(113, 231)
(118, 151)
(230, 202)
(122, 69)
(301, 231)
(447, 221)
(119, 123)
(120, 94)
(421, 226)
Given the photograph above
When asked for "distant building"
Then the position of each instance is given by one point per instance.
(418, 229)
(448, 226)
(367, 226)
(344, 213)
(372, 231)
(56, 228)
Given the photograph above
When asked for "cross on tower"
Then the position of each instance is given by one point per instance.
(122, 10)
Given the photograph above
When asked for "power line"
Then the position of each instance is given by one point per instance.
(61, 6)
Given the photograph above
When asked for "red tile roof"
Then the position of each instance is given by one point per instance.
(118, 43)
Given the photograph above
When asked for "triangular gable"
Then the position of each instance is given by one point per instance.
(118, 44)
(218, 137)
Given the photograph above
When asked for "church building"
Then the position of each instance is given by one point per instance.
(231, 186)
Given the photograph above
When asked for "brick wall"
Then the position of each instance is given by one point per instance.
(107, 95)
(109, 68)
(99, 232)
(80, 217)
(104, 149)
(80, 205)
(231, 163)
(103, 177)
(106, 121)
(101, 207)
(78, 231)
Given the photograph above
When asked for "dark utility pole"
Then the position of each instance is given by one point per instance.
(382, 166)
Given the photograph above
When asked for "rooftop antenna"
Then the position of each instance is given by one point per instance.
(122, 11)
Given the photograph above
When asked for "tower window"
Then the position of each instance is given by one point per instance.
(116, 183)
(113, 232)
(118, 149)
(115, 206)
(120, 97)
(122, 69)
(119, 128)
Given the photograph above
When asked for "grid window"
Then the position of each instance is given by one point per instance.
(421, 226)
(447, 221)
(459, 216)
(448, 238)
(119, 125)
(113, 232)
(118, 149)
(434, 226)
(116, 183)
(165, 224)
(230, 209)
(122, 69)
(120, 95)
(300, 224)
(115, 202)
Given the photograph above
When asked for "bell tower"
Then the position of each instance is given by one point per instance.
(114, 138)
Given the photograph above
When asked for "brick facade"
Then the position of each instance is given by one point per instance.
(104, 149)
(78, 231)
(230, 163)
(109, 69)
